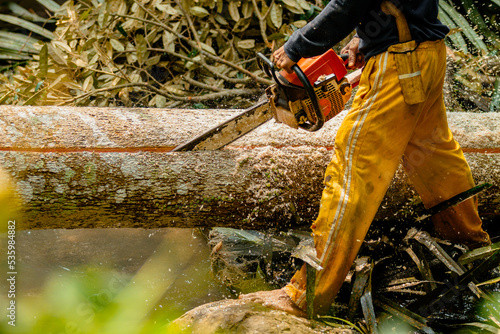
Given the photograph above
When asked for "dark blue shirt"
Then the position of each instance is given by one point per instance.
(376, 30)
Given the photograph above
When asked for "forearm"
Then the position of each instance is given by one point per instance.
(334, 23)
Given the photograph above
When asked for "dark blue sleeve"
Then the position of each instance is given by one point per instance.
(337, 20)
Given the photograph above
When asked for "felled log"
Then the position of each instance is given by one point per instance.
(94, 167)
(242, 316)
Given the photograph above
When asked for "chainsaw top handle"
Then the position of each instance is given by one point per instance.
(268, 67)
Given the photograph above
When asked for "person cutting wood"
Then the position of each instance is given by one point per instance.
(398, 115)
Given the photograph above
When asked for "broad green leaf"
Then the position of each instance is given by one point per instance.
(276, 15)
(247, 9)
(168, 41)
(198, 11)
(43, 61)
(221, 20)
(276, 36)
(166, 8)
(299, 24)
(141, 48)
(80, 63)
(208, 48)
(27, 25)
(233, 11)
(246, 44)
(86, 14)
(293, 6)
(153, 60)
(304, 4)
(62, 45)
(191, 65)
(131, 54)
(220, 6)
(88, 84)
(94, 59)
(116, 45)
(242, 25)
(102, 18)
(175, 90)
(154, 35)
(294, 10)
(57, 55)
(161, 101)
(202, 106)
(38, 85)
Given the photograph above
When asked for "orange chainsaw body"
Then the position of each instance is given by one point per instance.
(327, 63)
(326, 74)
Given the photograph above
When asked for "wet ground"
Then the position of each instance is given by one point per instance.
(168, 268)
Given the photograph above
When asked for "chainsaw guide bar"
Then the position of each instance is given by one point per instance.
(314, 93)
(230, 130)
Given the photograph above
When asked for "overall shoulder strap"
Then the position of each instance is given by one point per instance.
(390, 9)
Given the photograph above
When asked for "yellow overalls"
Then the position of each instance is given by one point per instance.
(379, 130)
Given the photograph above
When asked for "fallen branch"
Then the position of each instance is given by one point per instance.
(207, 97)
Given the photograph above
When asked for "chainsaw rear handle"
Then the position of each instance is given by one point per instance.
(268, 67)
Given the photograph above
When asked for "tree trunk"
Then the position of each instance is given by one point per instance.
(93, 167)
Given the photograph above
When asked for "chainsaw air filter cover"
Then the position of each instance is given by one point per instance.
(313, 68)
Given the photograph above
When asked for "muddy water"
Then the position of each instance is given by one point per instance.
(173, 263)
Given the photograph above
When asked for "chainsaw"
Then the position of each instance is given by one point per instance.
(314, 93)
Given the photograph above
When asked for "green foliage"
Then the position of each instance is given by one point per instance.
(96, 301)
(474, 40)
(474, 29)
(165, 53)
(153, 52)
(489, 310)
(18, 46)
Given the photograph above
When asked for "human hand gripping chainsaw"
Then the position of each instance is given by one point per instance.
(314, 93)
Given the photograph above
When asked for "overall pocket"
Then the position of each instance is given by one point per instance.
(408, 69)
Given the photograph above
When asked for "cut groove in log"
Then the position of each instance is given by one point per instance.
(93, 167)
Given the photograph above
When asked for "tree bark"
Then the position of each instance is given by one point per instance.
(94, 167)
